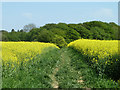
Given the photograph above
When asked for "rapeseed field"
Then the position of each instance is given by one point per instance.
(102, 55)
(17, 52)
(98, 49)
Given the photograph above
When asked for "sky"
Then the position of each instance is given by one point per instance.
(15, 15)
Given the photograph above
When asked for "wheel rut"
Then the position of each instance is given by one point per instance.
(64, 60)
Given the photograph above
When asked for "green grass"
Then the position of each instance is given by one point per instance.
(64, 68)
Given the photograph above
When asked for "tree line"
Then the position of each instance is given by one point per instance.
(62, 33)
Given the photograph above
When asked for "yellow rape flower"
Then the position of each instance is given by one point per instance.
(15, 52)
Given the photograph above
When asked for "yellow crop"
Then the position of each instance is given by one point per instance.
(15, 52)
(96, 49)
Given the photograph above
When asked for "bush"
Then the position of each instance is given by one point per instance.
(59, 41)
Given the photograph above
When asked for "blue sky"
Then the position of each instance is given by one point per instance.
(17, 14)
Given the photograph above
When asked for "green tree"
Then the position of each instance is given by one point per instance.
(72, 35)
(45, 36)
(59, 41)
(4, 35)
(58, 31)
(33, 34)
(12, 30)
(13, 36)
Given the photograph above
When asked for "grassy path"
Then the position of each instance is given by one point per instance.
(64, 59)
(66, 76)
(54, 83)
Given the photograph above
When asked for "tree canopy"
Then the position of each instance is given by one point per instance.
(63, 33)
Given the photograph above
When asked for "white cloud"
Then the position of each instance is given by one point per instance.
(104, 12)
(27, 15)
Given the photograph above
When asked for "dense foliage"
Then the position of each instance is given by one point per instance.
(62, 33)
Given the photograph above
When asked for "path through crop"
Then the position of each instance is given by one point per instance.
(63, 68)
(72, 72)
(64, 75)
